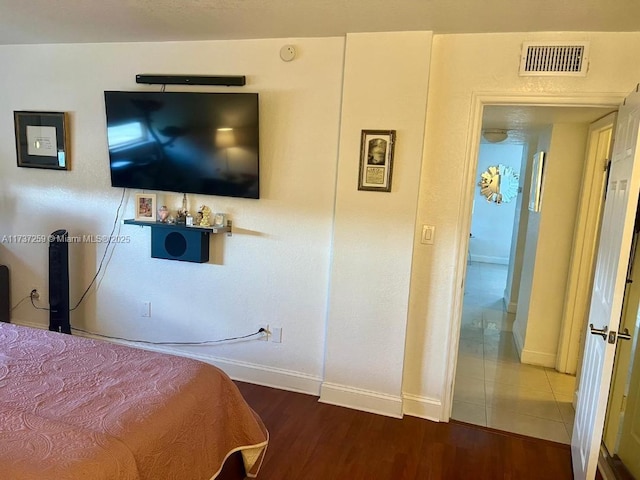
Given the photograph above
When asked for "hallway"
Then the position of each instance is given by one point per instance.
(492, 387)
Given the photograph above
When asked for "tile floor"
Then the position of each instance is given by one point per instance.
(492, 387)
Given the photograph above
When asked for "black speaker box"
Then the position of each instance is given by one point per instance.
(5, 297)
(180, 244)
(59, 282)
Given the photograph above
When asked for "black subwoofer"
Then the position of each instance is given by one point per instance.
(5, 297)
(180, 244)
(59, 282)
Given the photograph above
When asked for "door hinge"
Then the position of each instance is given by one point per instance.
(623, 404)
(607, 169)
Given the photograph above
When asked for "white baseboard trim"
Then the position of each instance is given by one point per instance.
(237, 370)
(538, 358)
(41, 326)
(518, 340)
(360, 399)
(422, 407)
(489, 259)
(603, 465)
(269, 376)
(510, 307)
(532, 357)
(331, 393)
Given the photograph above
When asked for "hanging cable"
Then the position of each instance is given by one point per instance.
(31, 297)
(147, 342)
(104, 255)
(22, 300)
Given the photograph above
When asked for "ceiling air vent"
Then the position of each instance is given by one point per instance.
(554, 59)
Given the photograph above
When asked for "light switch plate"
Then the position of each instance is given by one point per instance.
(428, 234)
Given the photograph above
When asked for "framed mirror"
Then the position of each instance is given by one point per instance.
(499, 184)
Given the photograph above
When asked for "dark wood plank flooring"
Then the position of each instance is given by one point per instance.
(314, 441)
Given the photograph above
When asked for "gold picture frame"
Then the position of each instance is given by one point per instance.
(376, 160)
(145, 207)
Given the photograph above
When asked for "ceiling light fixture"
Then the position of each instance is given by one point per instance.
(495, 135)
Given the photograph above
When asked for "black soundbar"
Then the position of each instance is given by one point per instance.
(227, 80)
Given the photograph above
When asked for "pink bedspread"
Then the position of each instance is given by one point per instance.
(75, 408)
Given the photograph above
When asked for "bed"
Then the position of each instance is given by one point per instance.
(76, 408)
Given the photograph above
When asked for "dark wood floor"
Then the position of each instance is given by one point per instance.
(314, 441)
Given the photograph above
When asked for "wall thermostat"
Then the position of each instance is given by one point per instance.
(288, 53)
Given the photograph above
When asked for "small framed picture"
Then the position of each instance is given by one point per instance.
(376, 160)
(145, 207)
(41, 139)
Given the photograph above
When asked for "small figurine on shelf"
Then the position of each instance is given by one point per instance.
(163, 214)
(206, 213)
(181, 217)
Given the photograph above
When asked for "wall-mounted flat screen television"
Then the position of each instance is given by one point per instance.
(185, 142)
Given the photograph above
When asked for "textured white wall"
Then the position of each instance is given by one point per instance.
(556, 224)
(273, 270)
(514, 272)
(465, 66)
(385, 87)
(531, 233)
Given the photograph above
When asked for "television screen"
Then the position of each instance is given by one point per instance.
(186, 142)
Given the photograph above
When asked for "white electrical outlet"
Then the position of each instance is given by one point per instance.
(276, 334)
(145, 309)
(37, 294)
(264, 336)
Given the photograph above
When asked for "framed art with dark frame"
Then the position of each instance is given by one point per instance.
(145, 207)
(376, 160)
(41, 139)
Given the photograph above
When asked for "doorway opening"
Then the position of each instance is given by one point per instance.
(504, 379)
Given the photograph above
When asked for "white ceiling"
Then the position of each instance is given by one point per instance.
(88, 21)
(520, 121)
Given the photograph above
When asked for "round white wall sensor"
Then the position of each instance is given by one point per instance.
(288, 53)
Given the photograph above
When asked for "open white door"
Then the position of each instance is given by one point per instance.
(612, 261)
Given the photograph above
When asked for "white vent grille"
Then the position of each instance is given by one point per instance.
(554, 59)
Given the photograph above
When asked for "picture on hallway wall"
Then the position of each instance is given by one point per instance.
(537, 181)
(376, 160)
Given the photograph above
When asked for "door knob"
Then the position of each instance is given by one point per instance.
(624, 335)
(602, 332)
(613, 336)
